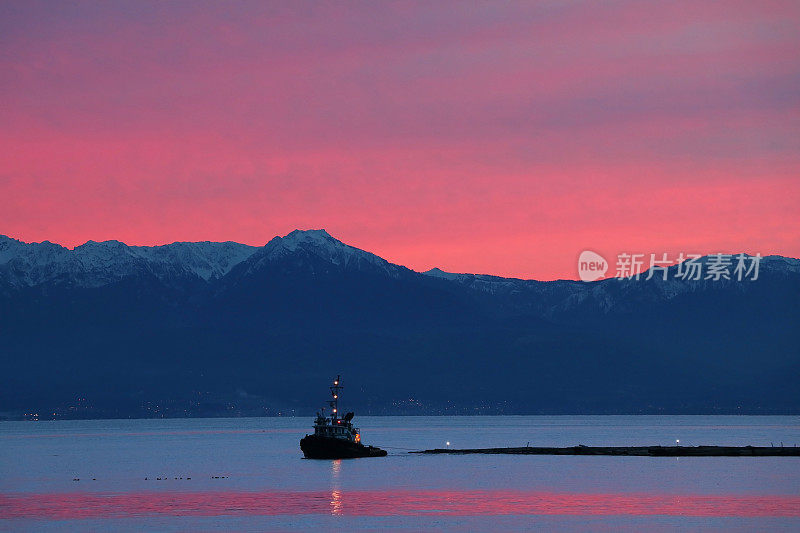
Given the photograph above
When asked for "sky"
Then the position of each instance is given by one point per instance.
(490, 137)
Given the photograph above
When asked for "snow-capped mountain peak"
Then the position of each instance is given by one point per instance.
(310, 250)
(318, 238)
(94, 264)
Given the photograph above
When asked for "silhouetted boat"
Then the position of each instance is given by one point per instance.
(335, 437)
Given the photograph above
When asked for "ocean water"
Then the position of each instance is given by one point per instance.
(248, 474)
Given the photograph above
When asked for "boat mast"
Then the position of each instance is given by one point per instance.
(335, 402)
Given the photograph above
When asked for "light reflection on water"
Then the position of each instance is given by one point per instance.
(336, 493)
(229, 468)
(388, 503)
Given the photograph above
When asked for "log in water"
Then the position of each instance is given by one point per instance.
(643, 451)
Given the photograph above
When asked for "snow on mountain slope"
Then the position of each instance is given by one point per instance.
(312, 249)
(557, 297)
(206, 260)
(94, 264)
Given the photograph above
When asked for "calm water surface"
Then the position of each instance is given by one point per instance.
(248, 474)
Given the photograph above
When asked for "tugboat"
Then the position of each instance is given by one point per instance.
(335, 437)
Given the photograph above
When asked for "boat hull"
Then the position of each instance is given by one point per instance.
(315, 447)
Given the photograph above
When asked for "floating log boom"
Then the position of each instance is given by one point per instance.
(639, 451)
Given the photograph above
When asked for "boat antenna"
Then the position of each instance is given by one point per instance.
(335, 402)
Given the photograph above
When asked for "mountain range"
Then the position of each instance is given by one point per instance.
(214, 329)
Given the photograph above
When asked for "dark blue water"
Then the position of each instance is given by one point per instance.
(248, 474)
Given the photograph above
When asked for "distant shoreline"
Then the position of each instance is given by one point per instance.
(398, 415)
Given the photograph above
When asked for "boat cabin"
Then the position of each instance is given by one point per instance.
(335, 426)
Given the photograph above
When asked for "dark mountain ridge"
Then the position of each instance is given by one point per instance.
(209, 329)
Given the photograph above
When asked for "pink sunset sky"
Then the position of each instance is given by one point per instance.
(500, 138)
